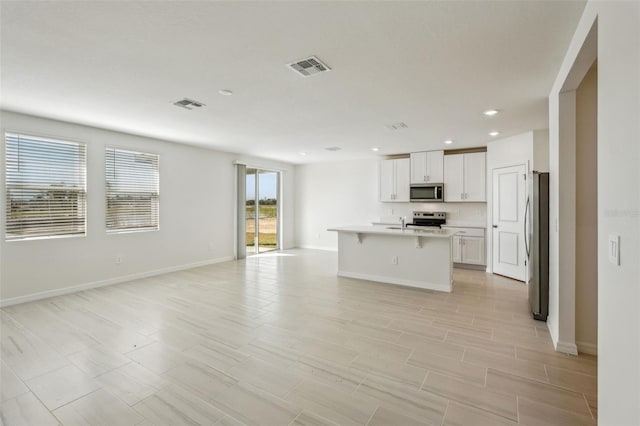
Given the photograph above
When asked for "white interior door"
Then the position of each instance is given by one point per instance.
(509, 198)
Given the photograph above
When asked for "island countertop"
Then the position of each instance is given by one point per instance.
(408, 232)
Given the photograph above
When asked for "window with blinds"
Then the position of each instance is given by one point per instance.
(132, 180)
(45, 188)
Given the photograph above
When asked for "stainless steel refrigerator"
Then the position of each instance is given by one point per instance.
(537, 244)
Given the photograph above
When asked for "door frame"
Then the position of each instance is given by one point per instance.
(240, 192)
(489, 233)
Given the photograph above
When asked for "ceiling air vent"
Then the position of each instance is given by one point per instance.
(188, 104)
(396, 126)
(333, 148)
(309, 66)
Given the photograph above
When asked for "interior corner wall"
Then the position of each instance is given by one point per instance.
(334, 194)
(586, 245)
(618, 54)
(196, 217)
(541, 150)
(565, 172)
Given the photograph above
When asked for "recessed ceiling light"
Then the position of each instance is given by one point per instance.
(491, 112)
(448, 142)
(375, 149)
(225, 92)
(303, 153)
(494, 133)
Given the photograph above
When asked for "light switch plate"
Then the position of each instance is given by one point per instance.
(614, 249)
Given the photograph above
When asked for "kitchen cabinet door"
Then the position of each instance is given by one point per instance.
(475, 172)
(403, 177)
(473, 250)
(387, 180)
(418, 167)
(427, 167)
(435, 166)
(453, 177)
(457, 246)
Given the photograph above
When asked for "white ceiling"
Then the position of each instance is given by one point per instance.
(432, 65)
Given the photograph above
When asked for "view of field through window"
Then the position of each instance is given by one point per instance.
(261, 211)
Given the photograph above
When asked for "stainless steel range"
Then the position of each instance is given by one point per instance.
(430, 219)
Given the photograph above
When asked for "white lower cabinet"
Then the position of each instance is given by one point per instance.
(472, 250)
(468, 245)
(457, 249)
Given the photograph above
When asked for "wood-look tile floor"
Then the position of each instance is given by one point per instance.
(280, 340)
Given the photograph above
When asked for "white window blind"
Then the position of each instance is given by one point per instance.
(45, 187)
(132, 180)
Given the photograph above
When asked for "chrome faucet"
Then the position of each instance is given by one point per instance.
(403, 222)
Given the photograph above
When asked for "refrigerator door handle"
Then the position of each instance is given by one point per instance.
(526, 213)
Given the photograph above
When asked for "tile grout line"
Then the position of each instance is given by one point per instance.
(372, 414)
(586, 401)
(424, 380)
(446, 408)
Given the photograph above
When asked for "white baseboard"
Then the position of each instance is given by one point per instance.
(319, 248)
(560, 346)
(567, 348)
(397, 281)
(73, 289)
(587, 348)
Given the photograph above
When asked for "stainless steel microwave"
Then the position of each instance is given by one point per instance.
(426, 193)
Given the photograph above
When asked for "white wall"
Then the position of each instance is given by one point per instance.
(541, 150)
(618, 53)
(346, 193)
(196, 216)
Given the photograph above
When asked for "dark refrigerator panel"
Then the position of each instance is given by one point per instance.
(537, 244)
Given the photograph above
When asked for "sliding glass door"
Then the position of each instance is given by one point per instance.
(261, 211)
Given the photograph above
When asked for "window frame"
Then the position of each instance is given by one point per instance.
(117, 231)
(5, 205)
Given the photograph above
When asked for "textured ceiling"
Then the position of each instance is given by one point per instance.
(432, 65)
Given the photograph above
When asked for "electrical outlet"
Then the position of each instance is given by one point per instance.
(211, 246)
(318, 235)
(394, 260)
(118, 259)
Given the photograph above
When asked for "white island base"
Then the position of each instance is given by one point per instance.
(413, 258)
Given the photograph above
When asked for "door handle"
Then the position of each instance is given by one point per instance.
(495, 226)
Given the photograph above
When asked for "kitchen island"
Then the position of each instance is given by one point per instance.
(419, 258)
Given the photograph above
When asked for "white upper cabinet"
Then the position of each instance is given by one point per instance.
(387, 180)
(394, 180)
(453, 177)
(435, 166)
(403, 174)
(465, 177)
(427, 167)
